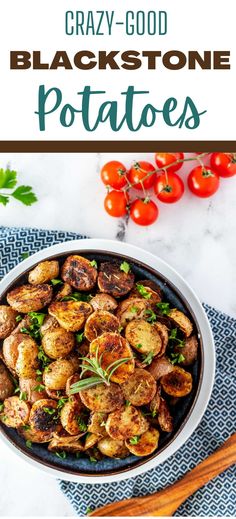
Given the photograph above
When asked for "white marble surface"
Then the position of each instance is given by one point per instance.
(197, 237)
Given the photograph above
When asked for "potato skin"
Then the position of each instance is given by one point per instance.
(69, 417)
(181, 321)
(35, 436)
(178, 383)
(165, 419)
(91, 440)
(44, 272)
(146, 445)
(79, 273)
(140, 388)
(131, 309)
(27, 360)
(151, 295)
(156, 402)
(10, 350)
(113, 448)
(70, 444)
(160, 367)
(114, 281)
(40, 419)
(95, 423)
(64, 291)
(112, 347)
(102, 398)
(6, 383)
(49, 324)
(100, 322)
(164, 334)
(102, 301)
(143, 337)
(7, 321)
(189, 350)
(58, 343)
(125, 423)
(15, 412)
(71, 315)
(56, 374)
(28, 385)
(29, 298)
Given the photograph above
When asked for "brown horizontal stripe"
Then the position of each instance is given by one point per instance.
(114, 146)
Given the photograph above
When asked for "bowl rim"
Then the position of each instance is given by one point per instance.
(208, 368)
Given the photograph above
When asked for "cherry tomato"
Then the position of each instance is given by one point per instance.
(144, 212)
(164, 159)
(138, 172)
(113, 174)
(203, 181)
(116, 202)
(169, 187)
(224, 164)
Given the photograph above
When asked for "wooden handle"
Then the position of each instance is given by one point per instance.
(166, 502)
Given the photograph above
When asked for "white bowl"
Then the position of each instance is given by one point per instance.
(208, 368)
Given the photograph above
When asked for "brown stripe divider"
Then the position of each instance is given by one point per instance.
(114, 146)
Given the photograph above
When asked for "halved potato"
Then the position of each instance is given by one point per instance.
(6, 384)
(189, 350)
(27, 360)
(113, 448)
(141, 289)
(111, 347)
(29, 298)
(181, 321)
(140, 387)
(10, 350)
(160, 366)
(44, 415)
(71, 417)
(112, 280)
(44, 272)
(24, 323)
(91, 440)
(143, 337)
(56, 374)
(58, 343)
(151, 284)
(55, 394)
(30, 434)
(33, 389)
(97, 422)
(100, 322)
(104, 302)
(72, 380)
(49, 324)
(146, 444)
(71, 315)
(15, 412)
(164, 334)
(7, 320)
(79, 273)
(64, 291)
(156, 401)
(71, 444)
(103, 398)
(165, 419)
(125, 423)
(131, 309)
(177, 383)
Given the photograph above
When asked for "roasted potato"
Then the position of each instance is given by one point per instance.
(58, 343)
(112, 280)
(49, 324)
(141, 289)
(27, 360)
(64, 291)
(6, 384)
(181, 320)
(100, 322)
(102, 398)
(33, 389)
(104, 302)
(71, 315)
(96, 423)
(156, 401)
(44, 272)
(79, 273)
(10, 350)
(24, 323)
(71, 417)
(70, 444)
(151, 284)
(91, 440)
(164, 417)
(132, 309)
(55, 395)
(30, 434)
(140, 388)
(15, 412)
(125, 423)
(178, 383)
(56, 374)
(29, 298)
(160, 366)
(7, 320)
(189, 350)
(164, 334)
(144, 444)
(113, 448)
(44, 416)
(111, 347)
(144, 337)
(72, 380)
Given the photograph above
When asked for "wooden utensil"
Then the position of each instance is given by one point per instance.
(165, 502)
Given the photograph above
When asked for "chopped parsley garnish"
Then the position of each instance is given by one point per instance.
(23, 395)
(127, 403)
(82, 424)
(154, 413)
(19, 318)
(1, 407)
(152, 316)
(143, 291)
(61, 454)
(173, 337)
(26, 427)
(89, 510)
(36, 320)
(93, 460)
(28, 444)
(139, 346)
(134, 440)
(56, 282)
(120, 329)
(133, 309)
(44, 359)
(39, 387)
(77, 296)
(79, 337)
(94, 264)
(125, 267)
(176, 358)
(164, 308)
(147, 359)
(61, 402)
(49, 410)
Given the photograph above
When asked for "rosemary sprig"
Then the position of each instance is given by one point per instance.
(102, 376)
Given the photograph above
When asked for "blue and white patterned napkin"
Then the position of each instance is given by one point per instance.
(217, 498)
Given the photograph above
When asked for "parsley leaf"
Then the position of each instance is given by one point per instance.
(4, 199)
(1, 406)
(152, 316)
(173, 337)
(28, 444)
(82, 424)
(56, 282)
(147, 359)
(176, 358)
(92, 459)
(77, 296)
(164, 308)
(133, 309)
(143, 291)
(61, 455)
(79, 337)
(125, 267)
(39, 387)
(134, 440)
(7, 179)
(25, 195)
(19, 318)
(94, 264)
